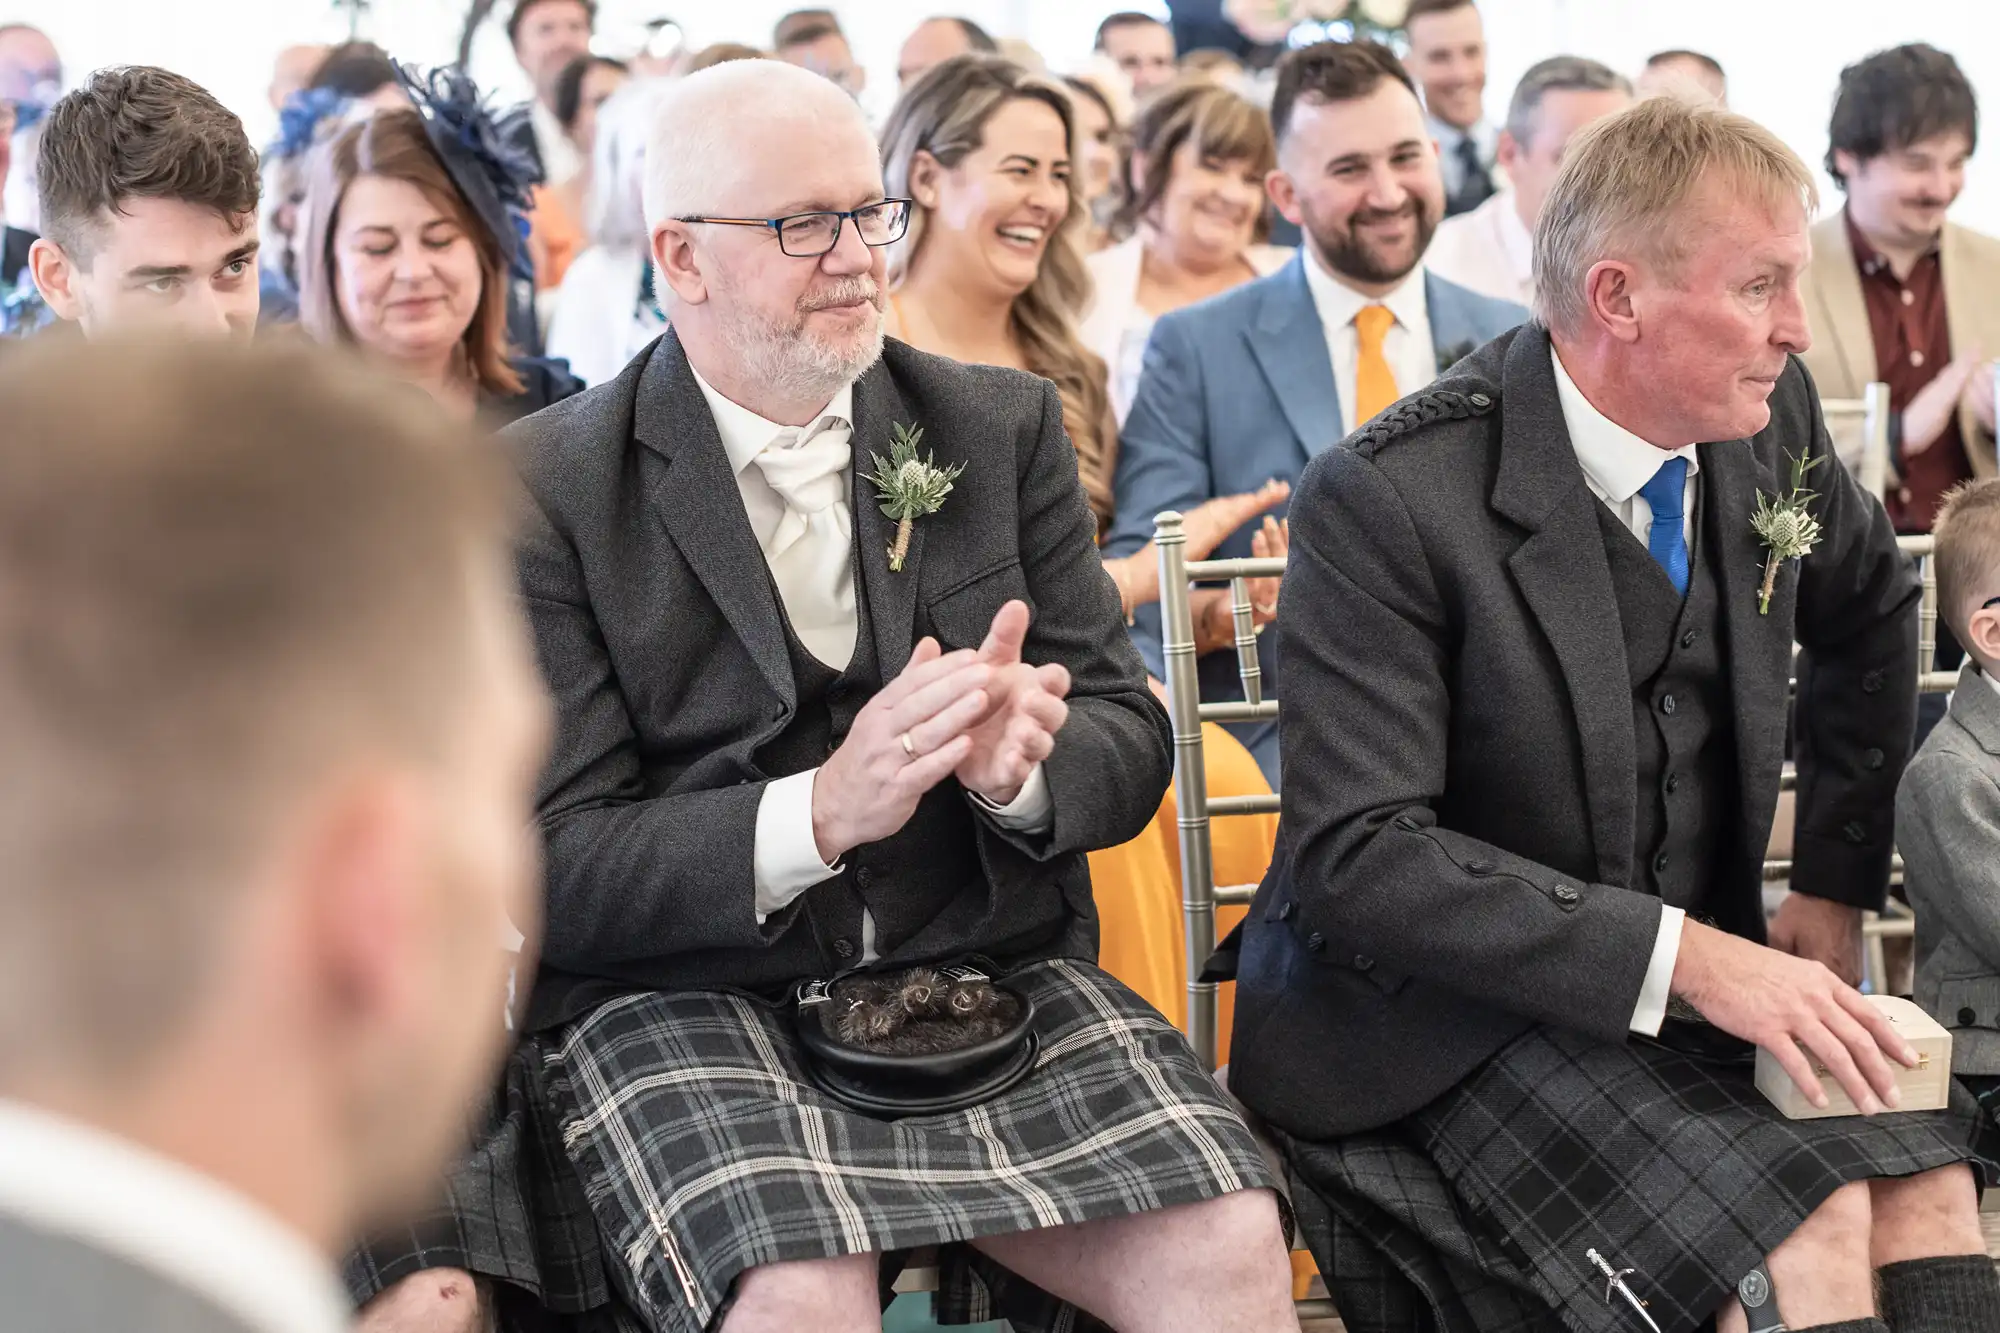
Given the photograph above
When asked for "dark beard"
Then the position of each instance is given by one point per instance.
(1347, 254)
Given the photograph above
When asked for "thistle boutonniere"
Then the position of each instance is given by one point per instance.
(1786, 526)
(1447, 357)
(909, 487)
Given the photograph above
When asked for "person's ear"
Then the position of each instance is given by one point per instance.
(55, 274)
(1508, 152)
(675, 260)
(924, 173)
(364, 865)
(1609, 291)
(1284, 196)
(1983, 634)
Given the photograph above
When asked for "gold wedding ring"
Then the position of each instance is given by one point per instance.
(909, 747)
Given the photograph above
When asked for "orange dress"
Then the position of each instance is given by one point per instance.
(1137, 886)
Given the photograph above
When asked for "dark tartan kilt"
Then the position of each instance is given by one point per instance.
(1475, 1215)
(705, 1151)
(511, 1211)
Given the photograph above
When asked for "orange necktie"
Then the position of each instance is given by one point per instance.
(1374, 382)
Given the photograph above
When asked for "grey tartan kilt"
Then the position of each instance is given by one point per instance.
(705, 1150)
(1475, 1215)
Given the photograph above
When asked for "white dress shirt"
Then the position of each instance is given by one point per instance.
(785, 858)
(560, 160)
(64, 1177)
(1407, 345)
(1488, 250)
(1616, 463)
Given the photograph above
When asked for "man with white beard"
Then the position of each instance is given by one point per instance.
(799, 738)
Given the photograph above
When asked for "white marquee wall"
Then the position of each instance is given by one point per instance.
(1783, 55)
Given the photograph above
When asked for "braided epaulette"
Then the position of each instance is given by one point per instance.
(1420, 409)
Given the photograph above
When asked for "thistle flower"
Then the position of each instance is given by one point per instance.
(1786, 526)
(909, 487)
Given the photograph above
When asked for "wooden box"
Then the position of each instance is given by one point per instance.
(1927, 1087)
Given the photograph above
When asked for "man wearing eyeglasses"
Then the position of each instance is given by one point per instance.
(799, 737)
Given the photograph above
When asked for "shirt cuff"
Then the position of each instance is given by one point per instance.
(1033, 811)
(1652, 1008)
(785, 856)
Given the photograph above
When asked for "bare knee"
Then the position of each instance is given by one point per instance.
(436, 1300)
(1926, 1216)
(832, 1294)
(1821, 1274)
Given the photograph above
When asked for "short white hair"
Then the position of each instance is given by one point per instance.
(708, 126)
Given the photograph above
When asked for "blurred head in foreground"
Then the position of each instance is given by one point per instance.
(265, 802)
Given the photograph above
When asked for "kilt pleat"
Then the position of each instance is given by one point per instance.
(1481, 1208)
(705, 1150)
(512, 1210)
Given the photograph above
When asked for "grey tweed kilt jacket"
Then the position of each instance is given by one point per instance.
(660, 635)
(1457, 846)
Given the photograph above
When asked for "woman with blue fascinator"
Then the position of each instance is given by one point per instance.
(415, 231)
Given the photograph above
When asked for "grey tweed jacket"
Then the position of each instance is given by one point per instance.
(1948, 826)
(52, 1283)
(1459, 772)
(659, 633)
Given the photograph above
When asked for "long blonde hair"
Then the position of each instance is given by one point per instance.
(945, 114)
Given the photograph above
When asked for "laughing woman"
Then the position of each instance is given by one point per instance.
(990, 272)
(1191, 216)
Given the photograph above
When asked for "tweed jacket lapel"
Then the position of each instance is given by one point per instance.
(1565, 578)
(892, 597)
(696, 499)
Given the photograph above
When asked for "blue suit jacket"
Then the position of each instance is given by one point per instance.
(1236, 391)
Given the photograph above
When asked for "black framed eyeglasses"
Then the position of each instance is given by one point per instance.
(809, 235)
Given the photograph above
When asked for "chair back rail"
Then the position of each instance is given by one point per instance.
(1871, 409)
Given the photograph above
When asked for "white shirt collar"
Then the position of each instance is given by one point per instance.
(1616, 462)
(745, 434)
(1339, 303)
(1482, 132)
(66, 1177)
(1515, 239)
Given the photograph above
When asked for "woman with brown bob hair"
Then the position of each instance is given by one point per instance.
(1190, 219)
(411, 242)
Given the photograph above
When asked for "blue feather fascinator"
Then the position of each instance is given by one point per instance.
(492, 175)
(300, 118)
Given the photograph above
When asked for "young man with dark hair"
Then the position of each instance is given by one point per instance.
(1688, 74)
(1141, 46)
(1447, 58)
(149, 208)
(1250, 385)
(1897, 293)
(546, 36)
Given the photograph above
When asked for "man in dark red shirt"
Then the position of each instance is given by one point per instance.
(1897, 294)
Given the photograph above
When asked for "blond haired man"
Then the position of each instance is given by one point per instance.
(1536, 701)
(272, 733)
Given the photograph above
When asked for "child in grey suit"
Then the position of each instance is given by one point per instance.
(1948, 807)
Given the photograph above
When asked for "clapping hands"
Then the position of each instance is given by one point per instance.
(984, 716)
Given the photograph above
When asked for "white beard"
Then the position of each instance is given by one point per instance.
(793, 363)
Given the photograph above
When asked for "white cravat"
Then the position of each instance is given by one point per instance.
(812, 552)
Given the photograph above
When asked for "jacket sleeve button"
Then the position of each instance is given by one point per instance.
(1363, 963)
(1567, 895)
(1315, 942)
(1966, 1018)
(1854, 832)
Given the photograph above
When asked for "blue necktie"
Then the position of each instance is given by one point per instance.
(1666, 494)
